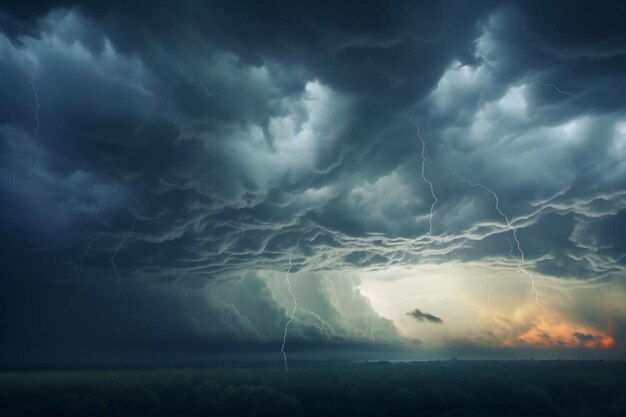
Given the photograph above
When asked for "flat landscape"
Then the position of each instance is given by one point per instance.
(439, 388)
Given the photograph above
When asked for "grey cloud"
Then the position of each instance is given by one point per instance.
(303, 147)
(196, 176)
(583, 337)
(418, 315)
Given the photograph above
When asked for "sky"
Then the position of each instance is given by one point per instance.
(269, 180)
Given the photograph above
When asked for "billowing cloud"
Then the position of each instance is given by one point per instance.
(220, 141)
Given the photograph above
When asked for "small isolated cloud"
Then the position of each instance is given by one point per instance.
(418, 315)
(583, 337)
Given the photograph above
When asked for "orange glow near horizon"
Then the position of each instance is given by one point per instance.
(510, 316)
(547, 333)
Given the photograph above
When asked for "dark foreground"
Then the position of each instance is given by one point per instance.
(447, 388)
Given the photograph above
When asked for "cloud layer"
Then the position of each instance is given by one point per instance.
(185, 148)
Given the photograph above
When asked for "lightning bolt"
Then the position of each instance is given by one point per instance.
(520, 260)
(372, 329)
(426, 180)
(242, 226)
(85, 253)
(117, 249)
(206, 89)
(293, 312)
(508, 239)
(360, 159)
(558, 90)
(32, 83)
(186, 293)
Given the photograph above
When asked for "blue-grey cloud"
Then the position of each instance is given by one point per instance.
(302, 147)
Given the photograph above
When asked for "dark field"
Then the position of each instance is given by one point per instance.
(446, 388)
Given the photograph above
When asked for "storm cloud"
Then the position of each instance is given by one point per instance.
(199, 150)
(584, 337)
(418, 315)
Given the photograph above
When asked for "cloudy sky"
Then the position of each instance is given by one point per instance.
(410, 180)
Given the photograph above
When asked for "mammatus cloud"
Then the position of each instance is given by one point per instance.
(418, 315)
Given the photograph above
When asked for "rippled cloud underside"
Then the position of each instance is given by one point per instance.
(373, 180)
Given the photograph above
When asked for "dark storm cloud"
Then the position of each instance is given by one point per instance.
(299, 146)
(583, 337)
(247, 315)
(212, 165)
(418, 315)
